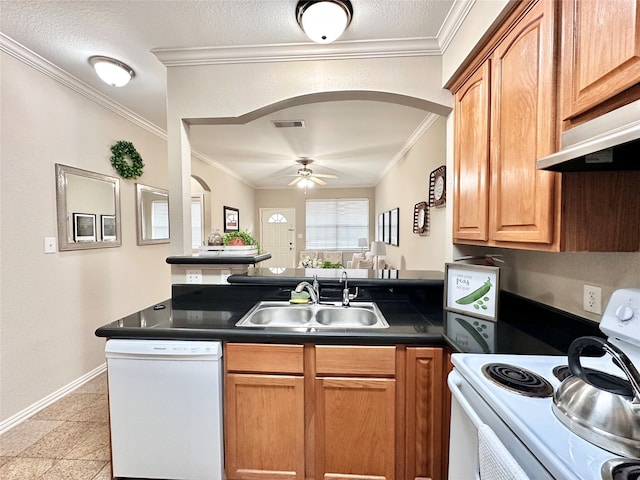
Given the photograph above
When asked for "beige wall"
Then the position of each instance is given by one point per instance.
(225, 190)
(51, 304)
(406, 184)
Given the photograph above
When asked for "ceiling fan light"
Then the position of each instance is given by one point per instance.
(112, 71)
(305, 183)
(325, 20)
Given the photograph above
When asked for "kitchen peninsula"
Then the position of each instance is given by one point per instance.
(305, 383)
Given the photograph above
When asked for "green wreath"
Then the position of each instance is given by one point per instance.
(120, 151)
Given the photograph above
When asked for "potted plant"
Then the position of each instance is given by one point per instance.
(238, 239)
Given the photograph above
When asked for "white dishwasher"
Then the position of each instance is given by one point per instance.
(165, 408)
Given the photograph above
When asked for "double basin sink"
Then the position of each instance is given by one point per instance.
(317, 316)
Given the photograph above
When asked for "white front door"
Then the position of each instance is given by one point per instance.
(277, 232)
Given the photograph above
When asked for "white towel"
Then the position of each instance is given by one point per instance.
(496, 463)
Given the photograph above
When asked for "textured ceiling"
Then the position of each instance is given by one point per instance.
(66, 33)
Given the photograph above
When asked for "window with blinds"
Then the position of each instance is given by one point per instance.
(336, 224)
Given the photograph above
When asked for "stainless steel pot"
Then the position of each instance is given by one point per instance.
(601, 408)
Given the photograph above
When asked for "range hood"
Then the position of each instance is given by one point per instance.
(609, 142)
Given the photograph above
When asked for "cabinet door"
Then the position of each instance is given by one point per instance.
(471, 158)
(601, 52)
(264, 430)
(523, 130)
(355, 428)
(425, 425)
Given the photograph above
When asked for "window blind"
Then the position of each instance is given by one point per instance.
(336, 224)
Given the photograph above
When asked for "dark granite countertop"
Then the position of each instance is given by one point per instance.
(197, 259)
(415, 317)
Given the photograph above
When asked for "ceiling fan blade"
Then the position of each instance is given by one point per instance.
(314, 179)
(325, 175)
(294, 181)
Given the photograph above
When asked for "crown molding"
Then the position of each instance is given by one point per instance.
(293, 52)
(454, 20)
(211, 162)
(408, 145)
(35, 61)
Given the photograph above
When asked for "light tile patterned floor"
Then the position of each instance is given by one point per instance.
(67, 440)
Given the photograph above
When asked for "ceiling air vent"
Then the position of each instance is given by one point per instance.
(288, 123)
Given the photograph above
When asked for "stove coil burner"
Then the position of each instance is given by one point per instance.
(518, 380)
(562, 372)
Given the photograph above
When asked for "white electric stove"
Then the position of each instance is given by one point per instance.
(523, 422)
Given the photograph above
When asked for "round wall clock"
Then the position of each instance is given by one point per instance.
(438, 187)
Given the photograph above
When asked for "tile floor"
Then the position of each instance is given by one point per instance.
(67, 440)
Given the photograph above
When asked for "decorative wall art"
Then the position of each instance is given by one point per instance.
(421, 218)
(394, 227)
(472, 290)
(387, 222)
(231, 219)
(438, 187)
(380, 235)
(108, 223)
(84, 227)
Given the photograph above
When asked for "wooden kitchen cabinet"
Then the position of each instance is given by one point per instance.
(355, 413)
(502, 126)
(325, 412)
(264, 412)
(471, 158)
(600, 55)
(427, 420)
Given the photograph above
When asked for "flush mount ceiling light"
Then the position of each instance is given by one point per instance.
(324, 20)
(112, 71)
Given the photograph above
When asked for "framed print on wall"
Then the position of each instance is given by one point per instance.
(380, 233)
(472, 290)
(394, 227)
(231, 219)
(84, 227)
(108, 224)
(387, 224)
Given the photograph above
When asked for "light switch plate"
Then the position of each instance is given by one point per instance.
(49, 244)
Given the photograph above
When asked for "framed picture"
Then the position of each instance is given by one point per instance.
(421, 218)
(108, 227)
(386, 237)
(84, 227)
(472, 290)
(231, 219)
(394, 227)
(380, 233)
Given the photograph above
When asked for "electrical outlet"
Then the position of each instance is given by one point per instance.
(194, 276)
(592, 301)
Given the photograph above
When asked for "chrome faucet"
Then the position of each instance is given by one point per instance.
(345, 290)
(314, 290)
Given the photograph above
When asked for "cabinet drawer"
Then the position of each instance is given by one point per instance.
(250, 357)
(354, 361)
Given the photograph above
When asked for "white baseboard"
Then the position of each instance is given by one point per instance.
(20, 417)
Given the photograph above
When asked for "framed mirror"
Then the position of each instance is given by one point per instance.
(88, 207)
(152, 214)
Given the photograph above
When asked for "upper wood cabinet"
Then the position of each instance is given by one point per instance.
(506, 117)
(502, 126)
(471, 158)
(600, 52)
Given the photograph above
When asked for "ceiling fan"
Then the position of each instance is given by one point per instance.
(305, 175)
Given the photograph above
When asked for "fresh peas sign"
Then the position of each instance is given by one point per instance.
(472, 289)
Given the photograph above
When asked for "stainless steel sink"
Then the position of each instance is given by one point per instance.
(318, 316)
